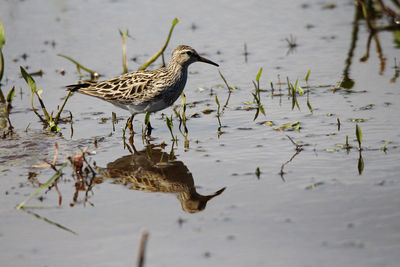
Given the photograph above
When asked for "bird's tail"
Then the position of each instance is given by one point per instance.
(76, 87)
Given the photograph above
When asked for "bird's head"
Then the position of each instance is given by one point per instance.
(185, 55)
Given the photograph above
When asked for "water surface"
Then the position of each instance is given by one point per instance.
(323, 210)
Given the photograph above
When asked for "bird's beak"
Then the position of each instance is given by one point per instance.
(202, 59)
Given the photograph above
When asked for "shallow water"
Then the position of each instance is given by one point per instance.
(320, 212)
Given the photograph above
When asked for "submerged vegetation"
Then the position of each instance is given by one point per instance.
(48, 119)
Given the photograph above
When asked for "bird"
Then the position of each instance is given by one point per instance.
(145, 90)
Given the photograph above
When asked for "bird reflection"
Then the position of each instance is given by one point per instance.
(154, 170)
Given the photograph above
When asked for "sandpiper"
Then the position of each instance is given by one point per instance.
(148, 90)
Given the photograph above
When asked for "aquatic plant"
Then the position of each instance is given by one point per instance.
(293, 89)
(257, 95)
(93, 74)
(168, 121)
(7, 102)
(360, 165)
(123, 36)
(384, 147)
(48, 119)
(347, 145)
(218, 115)
(308, 92)
(182, 120)
(2, 42)
(182, 115)
(230, 88)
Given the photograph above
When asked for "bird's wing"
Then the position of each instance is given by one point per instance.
(130, 87)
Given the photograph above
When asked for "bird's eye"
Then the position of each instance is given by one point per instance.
(189, 53)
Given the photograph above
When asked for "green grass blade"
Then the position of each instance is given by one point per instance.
(147, 118)
(309, 106)
(123, 37)
(217, 101)
(62, 108)
(293, 93)
(10, 95)
(29, 80)
(259, 75)
(308, 75)
(2, 36)
(226, 83)
(78, 65)
(262, 110)
(300, 91)
(170, 126)
(358, 135)
(32, 85)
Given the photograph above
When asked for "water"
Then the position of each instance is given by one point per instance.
(319, 212)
